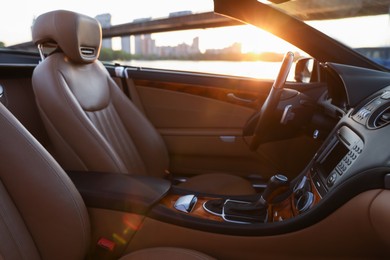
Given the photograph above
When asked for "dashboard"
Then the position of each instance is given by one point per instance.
(355, 156)
(352, 159)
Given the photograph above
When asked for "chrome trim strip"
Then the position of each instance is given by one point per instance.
(211, 212)
(40, 49)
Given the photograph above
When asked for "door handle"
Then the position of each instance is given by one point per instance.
(233, 97)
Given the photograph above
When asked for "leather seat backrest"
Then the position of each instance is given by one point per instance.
(42, 215)
(92, 124)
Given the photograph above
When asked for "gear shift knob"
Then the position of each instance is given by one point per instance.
(257, 211)
(276, 185)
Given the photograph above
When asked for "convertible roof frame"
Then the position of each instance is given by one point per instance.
(308, 39)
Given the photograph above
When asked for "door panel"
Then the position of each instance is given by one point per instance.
(202, 134)
(200, 125)
(201, 122)
(171, 109)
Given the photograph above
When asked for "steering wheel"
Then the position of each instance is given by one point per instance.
(265, 123)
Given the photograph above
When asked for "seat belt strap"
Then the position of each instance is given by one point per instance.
(121, 73)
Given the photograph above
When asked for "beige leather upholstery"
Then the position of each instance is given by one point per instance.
(92, 124)
(78, 35)
(42, 215)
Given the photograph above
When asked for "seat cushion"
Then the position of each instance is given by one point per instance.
(219, 183)
(166, 253)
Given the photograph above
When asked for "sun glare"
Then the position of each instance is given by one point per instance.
(255, 40)
(251, 38)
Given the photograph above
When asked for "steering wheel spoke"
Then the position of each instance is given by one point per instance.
(265, 123)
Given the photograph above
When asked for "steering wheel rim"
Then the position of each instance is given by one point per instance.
(264, 123)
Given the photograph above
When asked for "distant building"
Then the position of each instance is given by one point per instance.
(125, 43)
(235, 48)
(145, 45)
(180, 13)
(148, 45)
(185, 50)
(142, 20)
(195, 46)
(138, 44)
(105, 22)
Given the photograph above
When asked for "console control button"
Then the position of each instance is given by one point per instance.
(319, 186)
(331, 179)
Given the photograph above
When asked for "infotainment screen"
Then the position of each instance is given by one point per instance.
(336, 159)
(335, 155)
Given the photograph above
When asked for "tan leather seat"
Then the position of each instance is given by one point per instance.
(92, 124)
(42, 215)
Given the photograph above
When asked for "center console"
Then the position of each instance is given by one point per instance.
(281, 200)
(290, 203)
(335, 159)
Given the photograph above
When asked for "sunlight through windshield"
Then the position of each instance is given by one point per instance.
(361, 25)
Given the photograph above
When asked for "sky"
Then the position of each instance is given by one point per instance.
(17, 16)
(358, 31)
(121, 11)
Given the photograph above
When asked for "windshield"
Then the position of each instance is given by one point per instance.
(239, 50)
(234, 49)
(363, 25)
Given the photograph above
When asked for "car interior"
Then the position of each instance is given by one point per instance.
(50, 221)
(106, 161)
(122, 139)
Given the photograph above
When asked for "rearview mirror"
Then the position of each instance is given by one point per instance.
(304, 69)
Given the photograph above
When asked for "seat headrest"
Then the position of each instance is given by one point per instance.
(78, 36)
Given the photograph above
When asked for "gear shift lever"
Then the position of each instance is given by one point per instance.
(239, 211)
(276, 186)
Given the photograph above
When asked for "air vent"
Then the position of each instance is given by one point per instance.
(86, 51)
(380, 119)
